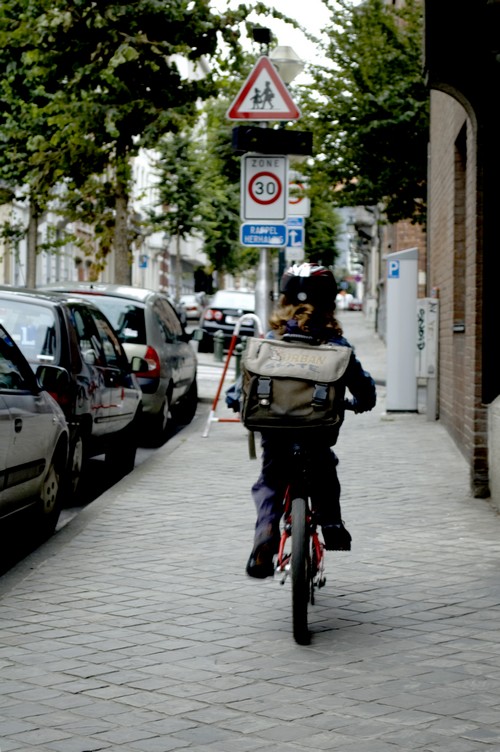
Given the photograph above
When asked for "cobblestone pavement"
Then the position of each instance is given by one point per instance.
(135, 628)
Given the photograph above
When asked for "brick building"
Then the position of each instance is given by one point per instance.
(462, 66)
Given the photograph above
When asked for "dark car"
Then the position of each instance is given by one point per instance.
(223, 312)
(149, 327)
(34, 441)
(100, 397)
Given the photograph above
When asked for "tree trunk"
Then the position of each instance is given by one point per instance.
(122, 253)
(178, 269)
(32, 246)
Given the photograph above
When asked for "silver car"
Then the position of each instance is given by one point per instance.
(149, 327)
(34, 440)
(101, 398)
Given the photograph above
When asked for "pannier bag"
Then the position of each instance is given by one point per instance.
(291, 385)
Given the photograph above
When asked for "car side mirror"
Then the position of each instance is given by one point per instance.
(52, 378)
(139, 365)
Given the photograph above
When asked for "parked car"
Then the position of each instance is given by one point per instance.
(149, 327)
(100, 396)
(193, 304)
(355, 305)
(223, 312)
(34, 440)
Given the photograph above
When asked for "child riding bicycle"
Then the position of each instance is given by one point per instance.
(306, 313)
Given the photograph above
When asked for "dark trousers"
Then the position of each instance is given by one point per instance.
(269, 489)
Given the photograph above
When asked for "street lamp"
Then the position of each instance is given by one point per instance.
(287, 63)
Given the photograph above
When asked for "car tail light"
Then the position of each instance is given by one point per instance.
(154, 365)
(211, 314)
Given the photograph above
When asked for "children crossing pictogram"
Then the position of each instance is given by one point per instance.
(263, 96)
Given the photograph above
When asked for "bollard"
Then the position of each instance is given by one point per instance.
(239, 349)
(219, 346)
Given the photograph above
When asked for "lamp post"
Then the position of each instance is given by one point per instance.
(287, 63)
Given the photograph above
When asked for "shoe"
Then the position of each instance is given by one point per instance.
(336, 537)
(260, 564)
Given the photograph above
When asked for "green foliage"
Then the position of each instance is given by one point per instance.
(179, 169)
(83, 86)
(92, 206)
(368, 108)
(220, 207)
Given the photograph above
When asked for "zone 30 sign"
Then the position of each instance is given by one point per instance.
(264, 187)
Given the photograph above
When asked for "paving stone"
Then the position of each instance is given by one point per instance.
(135, 628)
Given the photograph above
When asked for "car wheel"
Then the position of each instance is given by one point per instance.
(76, 463)
(158, 424)
(185, 409)
(50, 504)
(120, 456)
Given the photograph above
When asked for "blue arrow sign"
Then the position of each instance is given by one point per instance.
(295, 237)
(263, 234)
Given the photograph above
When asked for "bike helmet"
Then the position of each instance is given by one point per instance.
(309, 283)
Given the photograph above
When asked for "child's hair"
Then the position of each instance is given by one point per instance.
(310, 319)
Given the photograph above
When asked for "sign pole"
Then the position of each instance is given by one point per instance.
(264, 97)
(264, 288)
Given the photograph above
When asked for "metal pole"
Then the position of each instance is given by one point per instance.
(264, 288)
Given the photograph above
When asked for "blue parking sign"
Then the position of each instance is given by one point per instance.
(393, 269)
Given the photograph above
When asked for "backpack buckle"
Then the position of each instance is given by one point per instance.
(264, 391)
(320, 396)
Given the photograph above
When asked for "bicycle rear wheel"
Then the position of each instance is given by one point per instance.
(300, 571)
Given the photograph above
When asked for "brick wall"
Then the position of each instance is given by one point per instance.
(455, 273)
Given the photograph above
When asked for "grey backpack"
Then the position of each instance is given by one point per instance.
(289, 385)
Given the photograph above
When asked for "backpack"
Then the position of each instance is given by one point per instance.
(288, 385)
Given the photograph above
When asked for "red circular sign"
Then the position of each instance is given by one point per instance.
(296, 199)
(265, 188)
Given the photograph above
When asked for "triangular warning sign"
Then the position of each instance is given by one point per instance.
(263, 96)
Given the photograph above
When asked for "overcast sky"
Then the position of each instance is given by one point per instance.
(311, 14)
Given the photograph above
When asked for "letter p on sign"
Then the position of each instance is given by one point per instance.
(393, 269)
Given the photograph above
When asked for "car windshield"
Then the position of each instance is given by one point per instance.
(126, 318)
(32, 327)
(234, 299)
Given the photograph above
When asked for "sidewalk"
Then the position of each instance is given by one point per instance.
(135, 629)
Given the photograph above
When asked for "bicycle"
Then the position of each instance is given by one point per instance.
(304, 559)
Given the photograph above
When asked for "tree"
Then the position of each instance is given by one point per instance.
(180, 191)
(36, 152)
(86, 85)
(368, 108)
(323, 225)
(221, 204)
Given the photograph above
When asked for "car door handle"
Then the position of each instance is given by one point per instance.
(18, 424)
